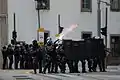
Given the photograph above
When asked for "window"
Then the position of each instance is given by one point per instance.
(43, 4)
(86, 5)
(115, 5)
(86, 35)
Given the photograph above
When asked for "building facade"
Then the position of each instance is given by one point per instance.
(81, 12)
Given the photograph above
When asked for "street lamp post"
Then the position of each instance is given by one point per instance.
(99, 20)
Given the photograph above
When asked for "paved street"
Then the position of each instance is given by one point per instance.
(113, 73)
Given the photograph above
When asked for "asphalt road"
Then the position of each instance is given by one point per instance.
(113, 73)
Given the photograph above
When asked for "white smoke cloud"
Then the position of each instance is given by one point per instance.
(67, 30)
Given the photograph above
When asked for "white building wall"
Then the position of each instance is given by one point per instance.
(70, 11)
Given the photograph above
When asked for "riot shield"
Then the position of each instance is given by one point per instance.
(82, 50)
(88, 45)
(101, 48)
(68, 49)
(97, 48)
(75, 50)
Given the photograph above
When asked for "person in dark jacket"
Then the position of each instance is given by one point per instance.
(37, 57)
(10, 55)
(4, 54)
(17, 56)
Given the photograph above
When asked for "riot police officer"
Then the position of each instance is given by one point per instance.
(37, 57)
(17, 56)
(54, 68)
(49, 56)
(61, 58)
(22, 57)
(99, 59)
(4, 54)
(10, 55)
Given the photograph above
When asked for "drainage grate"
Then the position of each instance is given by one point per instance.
(22, 78)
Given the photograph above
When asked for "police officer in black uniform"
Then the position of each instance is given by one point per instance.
(102, 56)
(54, 68)
(49, 56)
(30, 56)
(17, 56)
(61, 58)
(4, 54)
(22, 57)
(99, 59)
(10, 53)
(26, 52)
(37, 57)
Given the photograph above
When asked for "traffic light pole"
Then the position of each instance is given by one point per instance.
(14, 23)
(38, 12)
(58, 23)
(14, 31)
(38, 18)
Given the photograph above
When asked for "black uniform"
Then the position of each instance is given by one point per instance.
(22, 57)
(17, 56)
(49, 58)
(37, 57)
(100, 58)
(54, 60)
(10, 55)
(4, 53)
(61, 58)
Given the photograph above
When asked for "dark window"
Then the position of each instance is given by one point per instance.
(43, 4)
(86, 35)
(86, 5)
(115, 5)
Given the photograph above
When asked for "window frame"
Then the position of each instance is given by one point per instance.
(83, 9)
(115, 9)
(86, 32)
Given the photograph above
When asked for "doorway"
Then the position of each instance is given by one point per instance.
(46, 35)
(115, 45)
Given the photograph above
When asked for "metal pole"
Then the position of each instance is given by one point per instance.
(106, 24)
(58, 23)
(14, 23)
(14, 31)
(38, 18)
(99, 20)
